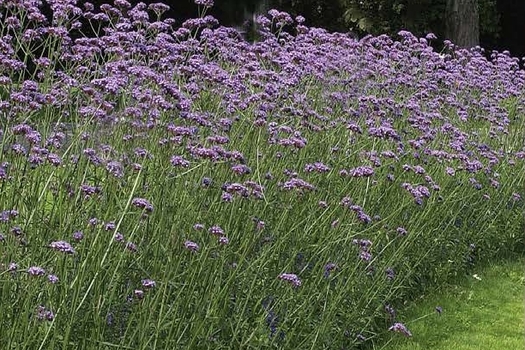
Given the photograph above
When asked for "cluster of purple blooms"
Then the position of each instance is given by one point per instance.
(291, 278)
(365, 246)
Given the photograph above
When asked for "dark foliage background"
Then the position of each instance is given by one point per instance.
(501, 21)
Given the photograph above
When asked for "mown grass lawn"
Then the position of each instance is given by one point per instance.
(486, 311)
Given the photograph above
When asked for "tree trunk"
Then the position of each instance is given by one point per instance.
(462, 22)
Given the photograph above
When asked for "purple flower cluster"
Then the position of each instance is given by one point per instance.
(191, 246)
(318, 167)
(143, 204)
(298, 184)
(418, 192)
(365, 246)
(400, 328)
(62, 246)
(44, 314)
(361, 171)
(291, 278)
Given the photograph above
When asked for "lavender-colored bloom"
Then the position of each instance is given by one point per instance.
(259, 226)
(44, 314)
(296, 183)
(206, 182)
(36, 271)
(401, 231)
(16, 230)
(316, 167)
(139, 293)
(439, 310)
(198, 227)
(361, 171)
(143, 204)
(115, 168)
(148, 283)
(191, 246)
(93, 222)
(12, 267)
(346, 201)
(223, 240)
(6, 215)
(54, 159)
(78, 236)
(179, 161)
(62, 246)
(418, 169)
(400, 328)
(365, 256)
(53, 279)
(119, 237)
(132, 247)
(89, 190)
(292, 278)
(216, 230)
(241, 169)
(142, 153)
(205, 3)
(226, 197)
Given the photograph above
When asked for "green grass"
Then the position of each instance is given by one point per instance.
(478, 314)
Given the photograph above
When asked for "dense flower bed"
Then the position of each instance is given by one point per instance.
(180, 187)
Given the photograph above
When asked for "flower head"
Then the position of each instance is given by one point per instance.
(142, 204)
(36, 271)
(291, 278)
(147, 283)
(400, 328)
(191, 246)
(62, 246)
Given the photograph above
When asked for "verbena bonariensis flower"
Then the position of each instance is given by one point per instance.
(191, 246)
(44, 314)
(401, 231)
(115, 168)
(143, 204)
(148, 283)
(6, 215)
(53, 279)
(316, 167)
(291, 278)
(78, 236)
(241, 169)
(36, 271)
(179, 161)
(299, 184)
(216, 230)
(400, 328)
(62, 246)
(12, 267)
